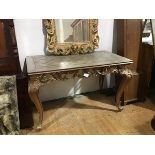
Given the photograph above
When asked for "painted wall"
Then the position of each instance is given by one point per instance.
(30, 41)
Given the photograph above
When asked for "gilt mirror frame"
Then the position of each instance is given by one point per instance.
(70, 48)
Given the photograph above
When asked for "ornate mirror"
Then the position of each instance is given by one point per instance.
(71, 36)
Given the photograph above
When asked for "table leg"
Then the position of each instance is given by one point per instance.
(33, 93)
(122, 85)
(101, 81)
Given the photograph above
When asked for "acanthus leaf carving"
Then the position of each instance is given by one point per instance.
(71, 48)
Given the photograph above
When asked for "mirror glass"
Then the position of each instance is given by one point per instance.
(147, 32)
(72, 30)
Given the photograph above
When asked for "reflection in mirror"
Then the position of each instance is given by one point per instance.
(147, 32)
(71, 36)
(153, 32)
(72, 30)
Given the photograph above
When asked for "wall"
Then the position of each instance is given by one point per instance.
(30, 41)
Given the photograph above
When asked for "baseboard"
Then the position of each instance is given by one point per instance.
(134, 100)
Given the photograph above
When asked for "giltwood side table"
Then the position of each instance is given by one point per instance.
(44, 69)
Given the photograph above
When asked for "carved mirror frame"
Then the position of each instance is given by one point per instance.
(69, 48)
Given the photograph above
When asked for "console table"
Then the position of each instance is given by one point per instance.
(44, 69)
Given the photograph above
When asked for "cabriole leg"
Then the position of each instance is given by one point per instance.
(33, 93)
(101, 81)
(126, 76)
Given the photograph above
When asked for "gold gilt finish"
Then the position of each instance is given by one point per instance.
(71, 48)
(44, 69)
(38, 80)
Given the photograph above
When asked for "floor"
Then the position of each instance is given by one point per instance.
(95, 114)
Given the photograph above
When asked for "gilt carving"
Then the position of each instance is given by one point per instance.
(41, 73)
(44, 78)
(71, 48)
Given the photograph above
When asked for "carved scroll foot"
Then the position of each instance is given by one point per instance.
(33, 93)
(101, 81)
(126, 76)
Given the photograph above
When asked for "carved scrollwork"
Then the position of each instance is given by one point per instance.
(44, 78)
(71, 48)
(41, 79)
(38, 80)
(126, 72)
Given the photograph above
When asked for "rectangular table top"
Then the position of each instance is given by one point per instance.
(42, 63)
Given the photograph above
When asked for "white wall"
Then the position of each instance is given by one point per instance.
(30, 41)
